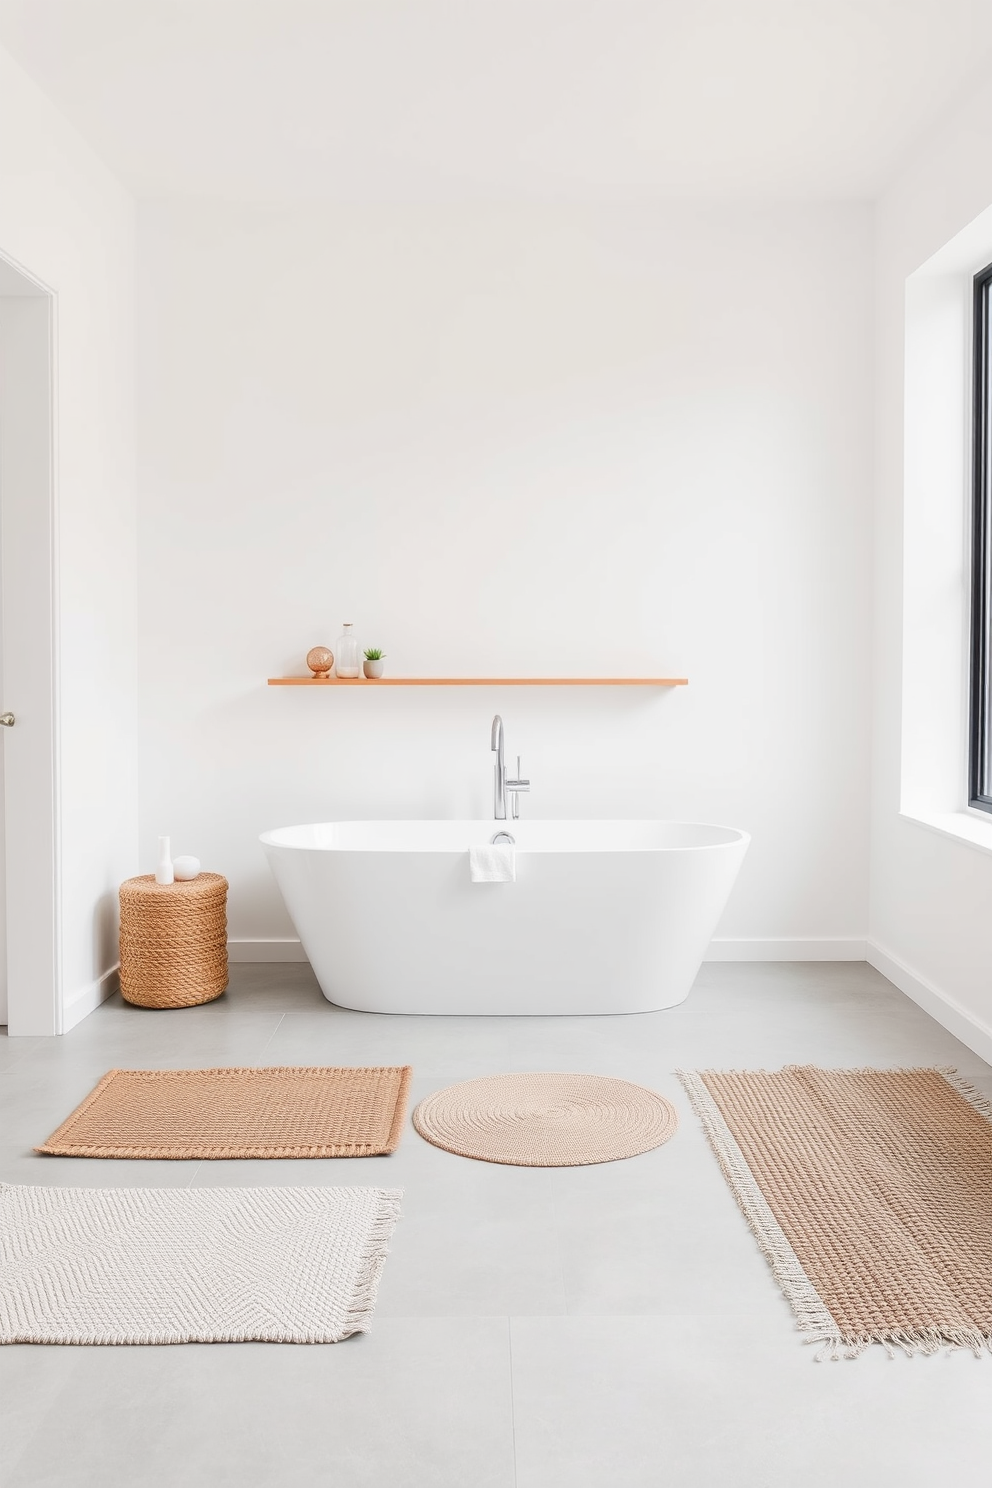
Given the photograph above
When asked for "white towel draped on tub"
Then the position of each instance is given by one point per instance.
(493, 863)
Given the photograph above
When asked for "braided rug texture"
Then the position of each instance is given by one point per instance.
(546, 1120)
(173, 941)
(191, 1265)
(870, 1193)
(223, 1113)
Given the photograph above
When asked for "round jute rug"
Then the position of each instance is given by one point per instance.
(546, 1120)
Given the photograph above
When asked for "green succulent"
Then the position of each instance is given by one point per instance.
(374, 654)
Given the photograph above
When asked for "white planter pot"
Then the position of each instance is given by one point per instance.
(373, 669)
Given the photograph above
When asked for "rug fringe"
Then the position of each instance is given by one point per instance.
(359, 1314)
(911, 1342)
(981, 1102)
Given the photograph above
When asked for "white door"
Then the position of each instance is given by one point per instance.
(3, 816)
(29, 839)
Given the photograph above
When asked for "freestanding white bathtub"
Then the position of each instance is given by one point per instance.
(605, 916)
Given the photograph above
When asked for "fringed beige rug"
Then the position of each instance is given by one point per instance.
(191, 1265)
(218, 1113)
(870, 1193)
(546, 1120)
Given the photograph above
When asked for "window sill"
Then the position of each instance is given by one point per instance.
(961, 826)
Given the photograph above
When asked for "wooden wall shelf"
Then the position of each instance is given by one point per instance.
(479, 682)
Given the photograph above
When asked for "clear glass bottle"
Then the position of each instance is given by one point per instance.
(347, 653)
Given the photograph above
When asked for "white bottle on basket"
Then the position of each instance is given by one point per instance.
(163, 872)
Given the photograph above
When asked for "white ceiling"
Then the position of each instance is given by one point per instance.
(384, 100)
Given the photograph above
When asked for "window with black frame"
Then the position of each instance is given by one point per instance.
(980, 793)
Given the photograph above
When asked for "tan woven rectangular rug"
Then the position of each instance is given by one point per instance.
(191, 1265)
(870, 1193)
(217, 1113)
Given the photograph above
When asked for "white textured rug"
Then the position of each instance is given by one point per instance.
(191, 1265)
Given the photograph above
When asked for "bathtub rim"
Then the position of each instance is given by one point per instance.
(275, 837)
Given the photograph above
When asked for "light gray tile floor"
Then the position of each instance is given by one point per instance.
(603, 1327)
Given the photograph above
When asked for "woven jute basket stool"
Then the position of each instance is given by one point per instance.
(173, 941)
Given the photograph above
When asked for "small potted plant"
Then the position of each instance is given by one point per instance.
(372, 666)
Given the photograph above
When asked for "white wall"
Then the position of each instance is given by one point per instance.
(518, 440)
(931, 893)
(65, 218)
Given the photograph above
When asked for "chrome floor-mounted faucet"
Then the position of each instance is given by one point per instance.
(501, 786)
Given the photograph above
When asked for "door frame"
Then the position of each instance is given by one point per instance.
(29, 593)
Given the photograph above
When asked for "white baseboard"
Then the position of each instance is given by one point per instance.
(87, 998)
(787, 949)
(265, 950)
(972, 1032)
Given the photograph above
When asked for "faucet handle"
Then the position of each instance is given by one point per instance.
(518, 784)
(514, 789)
